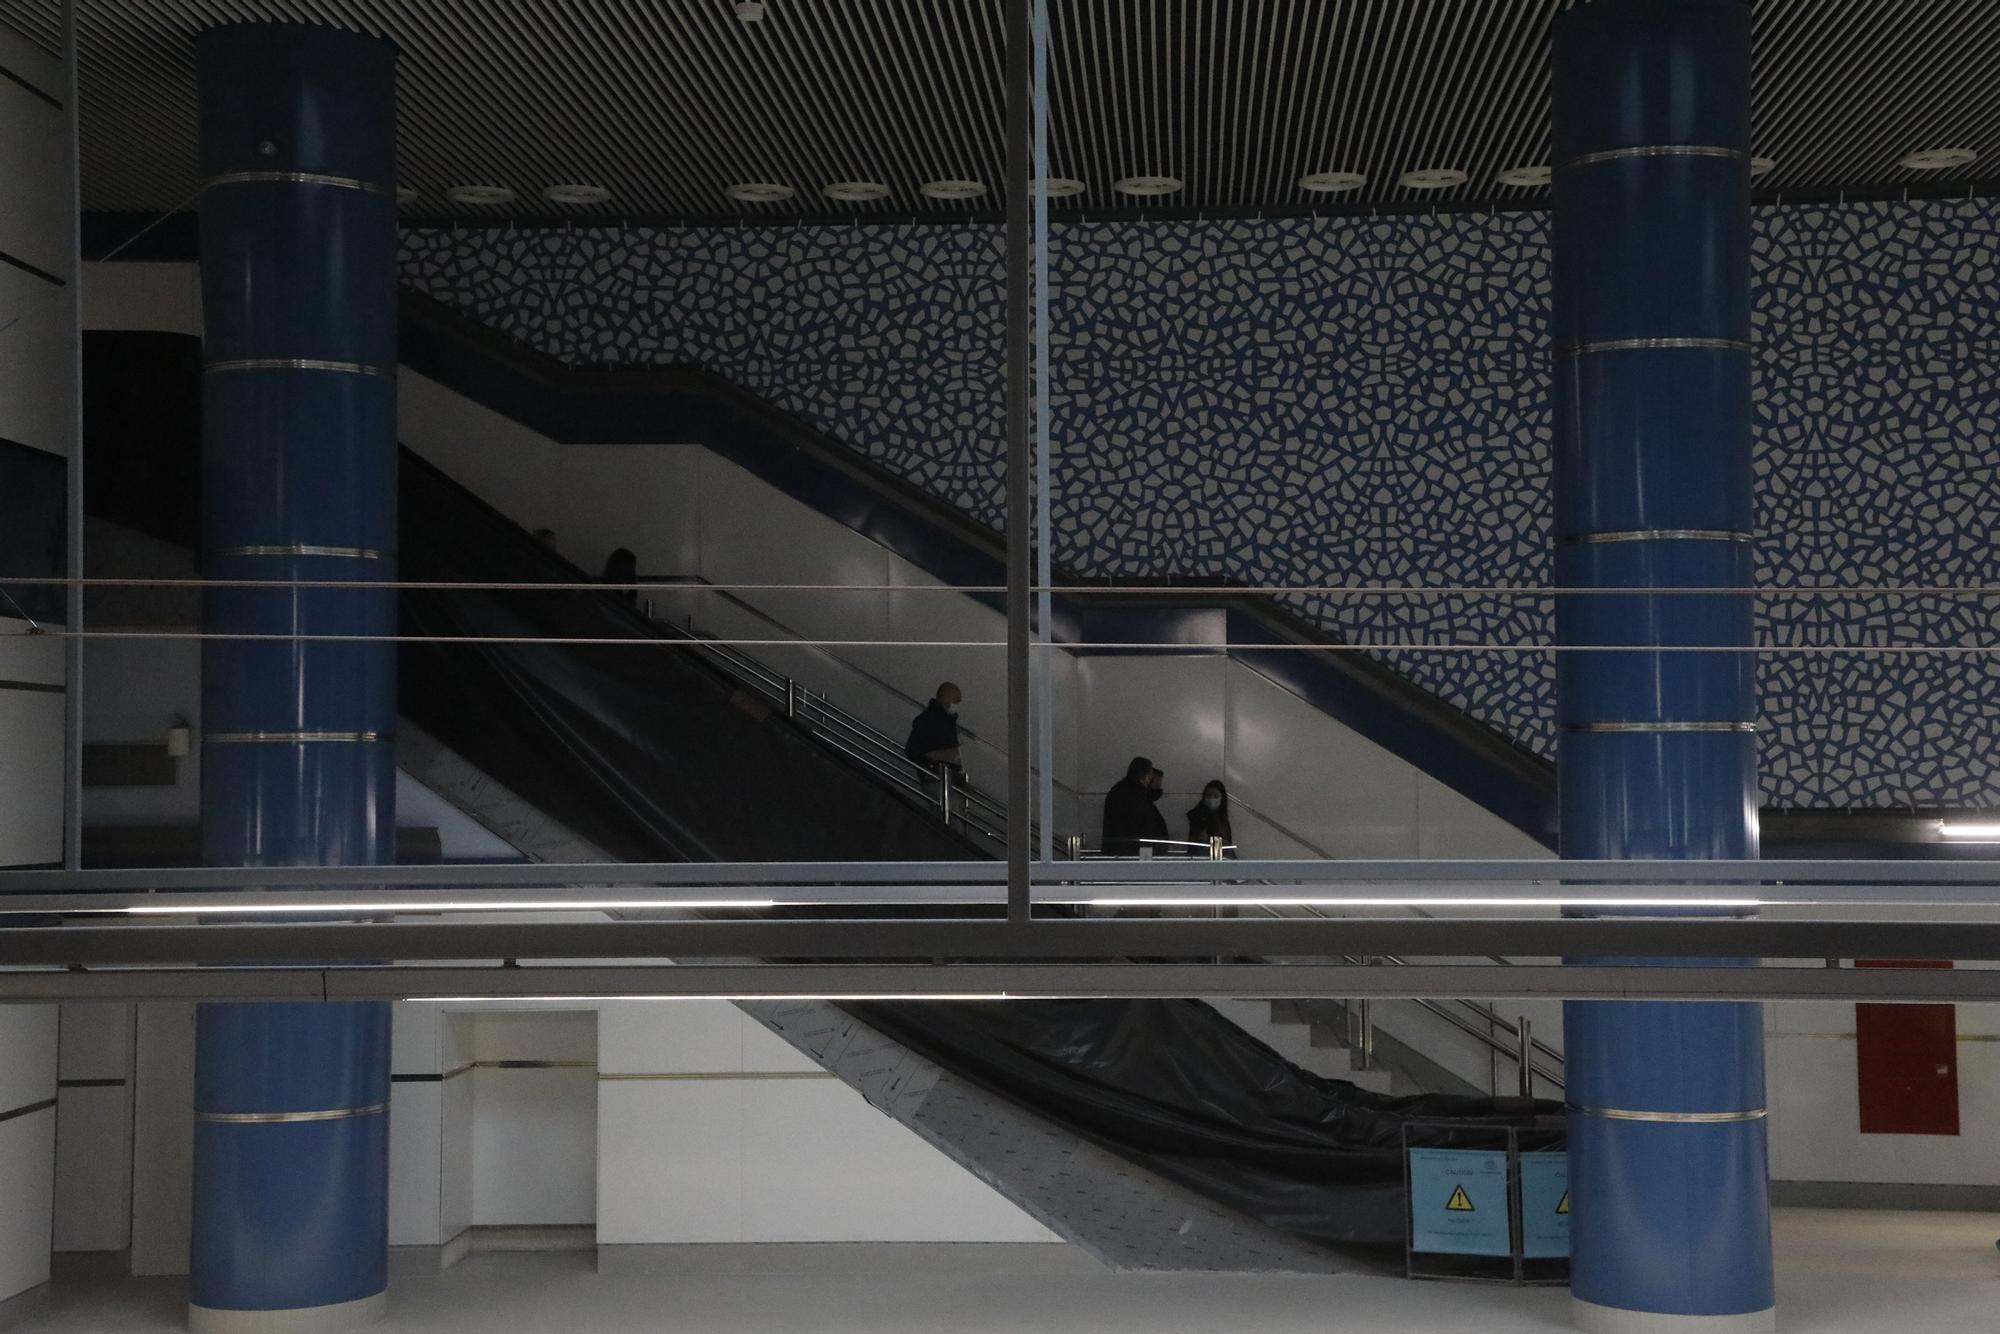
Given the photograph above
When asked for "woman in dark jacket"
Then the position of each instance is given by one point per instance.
(1210, 817)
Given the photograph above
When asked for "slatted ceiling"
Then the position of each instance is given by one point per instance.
(669, 102)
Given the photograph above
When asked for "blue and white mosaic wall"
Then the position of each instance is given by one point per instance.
(1314, 402)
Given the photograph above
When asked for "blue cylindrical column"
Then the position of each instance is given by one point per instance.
(1670, 1200)
(298, 761)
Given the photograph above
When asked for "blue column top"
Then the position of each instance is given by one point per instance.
(1631, 73)
(297, 97)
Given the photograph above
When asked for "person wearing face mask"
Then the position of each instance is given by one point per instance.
(1210, 818)
(1132, 816)
(934, 733)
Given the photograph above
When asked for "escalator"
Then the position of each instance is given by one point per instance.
(1154, 1133)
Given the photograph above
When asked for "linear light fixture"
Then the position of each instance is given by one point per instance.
(1988, 829)
(855, 999)
(252, 908)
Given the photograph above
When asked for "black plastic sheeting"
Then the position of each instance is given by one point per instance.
(1176, 1088)
(655, 756)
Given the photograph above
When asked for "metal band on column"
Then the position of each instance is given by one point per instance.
(298, 758)
(1657, 750)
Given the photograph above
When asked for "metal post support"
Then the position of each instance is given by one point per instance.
(1020, 536)
(1657, 750)
(1526, 1055)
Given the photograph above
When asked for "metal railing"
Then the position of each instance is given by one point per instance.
(964, 808)
(937, 787)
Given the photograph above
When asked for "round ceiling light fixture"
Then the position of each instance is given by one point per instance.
(1062, 187)
(576, 194)
(1939, 159)
(751, 11)
(1527, 178)
(856, 192)
(406, 195)
(1146, 185)
(759, 192)
(1432, 178)
(1332, 182)
(1762, 166)
(480, 196)
(953, 189)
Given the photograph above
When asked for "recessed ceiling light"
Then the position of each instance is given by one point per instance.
(750, 11)
(576, 194)
(856, 192)
(406, 195)
(953, 189)
(1940, 159)
(1434, 178)
(1763, 166)
(1332, 182)
(1146, 185)
(1061, 187)
(759, 192)
(482, 195)
(1527, 178)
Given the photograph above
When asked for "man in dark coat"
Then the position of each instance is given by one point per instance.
(1132, 812)
(934, 733)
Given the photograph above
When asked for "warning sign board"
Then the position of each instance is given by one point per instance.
(1458, 1202)
(1544, 1205)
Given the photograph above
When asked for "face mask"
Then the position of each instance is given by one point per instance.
(1153, 794)
(951, 710)
(1212, 801)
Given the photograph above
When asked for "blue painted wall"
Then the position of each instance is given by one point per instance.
(1365, 401)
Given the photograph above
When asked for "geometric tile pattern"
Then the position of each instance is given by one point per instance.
(1315, 402)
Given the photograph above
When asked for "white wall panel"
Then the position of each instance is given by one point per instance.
(93, 1194)
(680, 1037)
(35, 208)
(36, 659)
(162, 1138)
(670, 1161)
(752, 533)
(31, 777)
(820, 1164)
(534, 1147)
(1452, 825)
(1815, 1120)
(93, 1199)
(27, 1055)
(413, 1038)
(95, 1040)
(455, 1185)
(416, 1161)
(27, 1155)
(1337, 790)
(162, 298)
(35, 362)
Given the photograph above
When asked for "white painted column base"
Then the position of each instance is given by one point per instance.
(1594, 1319)
(307, 1320)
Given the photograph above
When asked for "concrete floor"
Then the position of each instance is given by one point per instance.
(1840, 1272)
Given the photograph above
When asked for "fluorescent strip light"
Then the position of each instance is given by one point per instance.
(457, 905)
(1407, 902)
(856, 999)
(1986, 831)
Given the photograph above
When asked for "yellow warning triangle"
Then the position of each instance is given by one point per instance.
(1460, 1202)
(1562, 1206)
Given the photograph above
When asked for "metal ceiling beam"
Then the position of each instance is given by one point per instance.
(265, 943)
(1418, 870)
(1019, 982)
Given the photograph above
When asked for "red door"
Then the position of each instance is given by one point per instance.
(1907, 1063)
